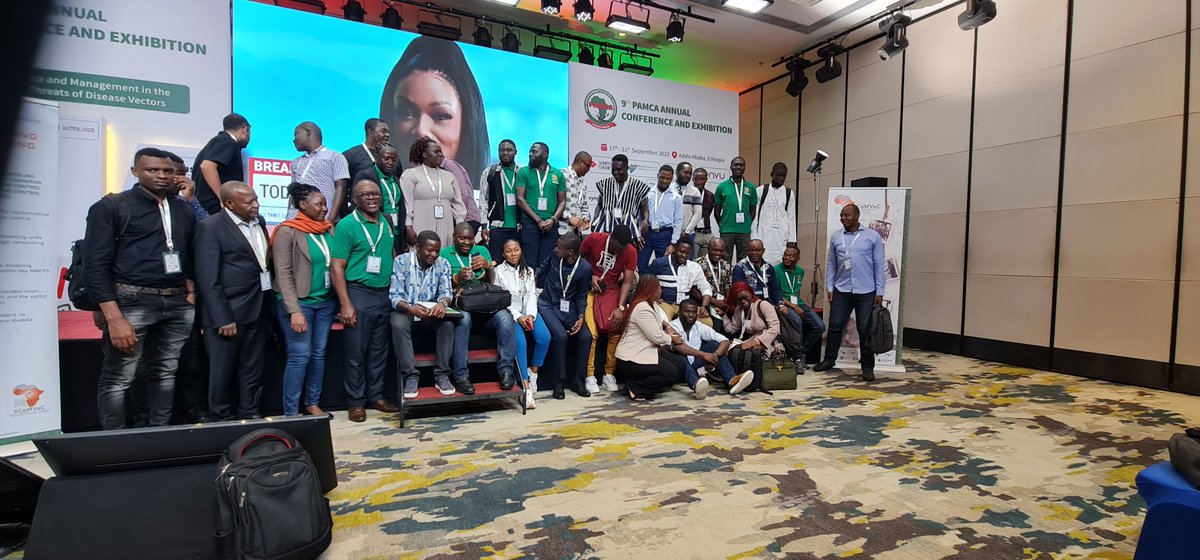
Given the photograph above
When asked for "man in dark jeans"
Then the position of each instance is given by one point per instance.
(856, 283)
(139, 254)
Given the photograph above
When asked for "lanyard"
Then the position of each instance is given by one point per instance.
(312, 159)
(367, 234)
(566, 280)
(321, 244)
(369, 154)
(542, 181)
(791, 276)
(424, 275)
(506, 183)
(425, 168)
(715, 270)
(740, 191)
(164, 210)
(389, 186)
(607, 264)
(761, 278)
(461, 264)
(852, 241)
(256, 243)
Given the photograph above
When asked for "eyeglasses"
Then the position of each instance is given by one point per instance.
(374, 194)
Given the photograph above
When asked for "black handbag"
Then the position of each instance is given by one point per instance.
(1184, 450)
(482, 297)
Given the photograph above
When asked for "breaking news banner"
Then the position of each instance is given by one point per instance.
(270, 179)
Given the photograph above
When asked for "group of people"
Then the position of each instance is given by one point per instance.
(388, 251)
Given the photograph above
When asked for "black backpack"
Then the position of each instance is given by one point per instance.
(791, 337)
(269, 500)
(76, 276)
(880, 337)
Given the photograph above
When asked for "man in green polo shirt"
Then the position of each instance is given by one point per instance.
(734, 204)
(361, 270)
(541, 197)
(791, 304)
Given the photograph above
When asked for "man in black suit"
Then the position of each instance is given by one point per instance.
(362, 157)
(231, 277)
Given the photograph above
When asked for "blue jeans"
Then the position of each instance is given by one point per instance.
(692, 373)
(538, 246)
(541, 345)
(305, 367)
(655, 242)
(809, 323)
(502, 324)
(839, 315)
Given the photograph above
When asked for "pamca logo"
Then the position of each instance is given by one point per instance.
(600, 107)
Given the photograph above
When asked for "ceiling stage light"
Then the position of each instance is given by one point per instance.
(748, 6)
(675, 29)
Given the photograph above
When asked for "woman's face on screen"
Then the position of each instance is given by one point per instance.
(428, 105)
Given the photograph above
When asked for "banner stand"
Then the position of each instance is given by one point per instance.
(886, 211)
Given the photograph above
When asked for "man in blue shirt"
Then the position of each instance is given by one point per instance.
(855, 271)
(565, 279)
(757, 272)
(665, 225)
(420, 296)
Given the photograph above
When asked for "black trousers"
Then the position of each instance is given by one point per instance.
(366, 345)
(236, 363)
(646, 379)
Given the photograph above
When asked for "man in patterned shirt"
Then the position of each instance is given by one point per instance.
(320, 167)
(420, 295)
(719, 274)
(622, 201)
(576, 217)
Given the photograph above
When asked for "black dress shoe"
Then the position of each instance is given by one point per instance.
(581, 391)
(868, 375)
(823, 366)
(507, 380)
(463, 385)
(559, 394)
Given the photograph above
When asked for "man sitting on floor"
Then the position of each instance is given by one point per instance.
(471, 263)
(758, 273)
(420, 295)
(705, 348)
(680, 279)
(792, 306)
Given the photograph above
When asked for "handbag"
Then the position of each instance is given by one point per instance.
(1185, 454)
(779, 374)
(603, 304)
(482, 297)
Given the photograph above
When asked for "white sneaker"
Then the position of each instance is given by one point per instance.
(529, 402)
(701, 389)
(741, 382)
(591, 386)
(610, 383)
(532, 382)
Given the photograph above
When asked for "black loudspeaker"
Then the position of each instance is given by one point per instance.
(869, 182)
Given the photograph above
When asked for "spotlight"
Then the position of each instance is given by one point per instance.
(551, 7)
(584, 10)
(815, 166)
(511, 42)
(628, 23)
(675, 29)
(896, 27)
(978, 12)
(606, 59)
(390, 17)
(585, 56)
(634, 66)
(483, 35)
(749, 6)
(551, 52)
(353, 11)
(832, 68)
(797, 81)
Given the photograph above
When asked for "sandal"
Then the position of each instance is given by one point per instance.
(636, 398)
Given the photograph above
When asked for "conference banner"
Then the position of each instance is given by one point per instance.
(28, 276)
(290, 67)
(653, 122)
(884, 210)
(127, 74)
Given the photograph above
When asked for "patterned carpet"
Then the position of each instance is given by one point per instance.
(956, 459)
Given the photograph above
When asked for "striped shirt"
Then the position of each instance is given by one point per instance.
(692, 207)
(321, 169)
(620, 205)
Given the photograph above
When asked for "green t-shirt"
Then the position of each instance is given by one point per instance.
(457, 263)
(790, 283)
(727, 198)
(536, 191)
(390, 188)
(508, 181)
(319, 292)
(351, 243)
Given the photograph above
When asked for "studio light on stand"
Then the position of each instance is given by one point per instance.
(978, 12)
(815, 169)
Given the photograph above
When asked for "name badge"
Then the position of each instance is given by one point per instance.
(564, 305)
(439, 212)
(374, 264)
(328, 279)
(510, 199)
(618, 213)
(846, 264)
(793, 299)
(739, 218)
(171, 264)
(719, 296)
(392, 218)
(543, 204)
(264, 280)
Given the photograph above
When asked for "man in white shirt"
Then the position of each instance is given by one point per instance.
(705, 348)
(693, 201)
(682, 279)
(776, 222)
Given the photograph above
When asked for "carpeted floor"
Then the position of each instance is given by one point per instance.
(955, 459)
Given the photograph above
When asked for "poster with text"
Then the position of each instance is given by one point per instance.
(28, 277)
(653, 122)
(884, 210)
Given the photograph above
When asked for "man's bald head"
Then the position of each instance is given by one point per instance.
(240, 199)
(231, 189)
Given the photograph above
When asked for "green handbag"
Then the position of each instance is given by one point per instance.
(779, 374)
